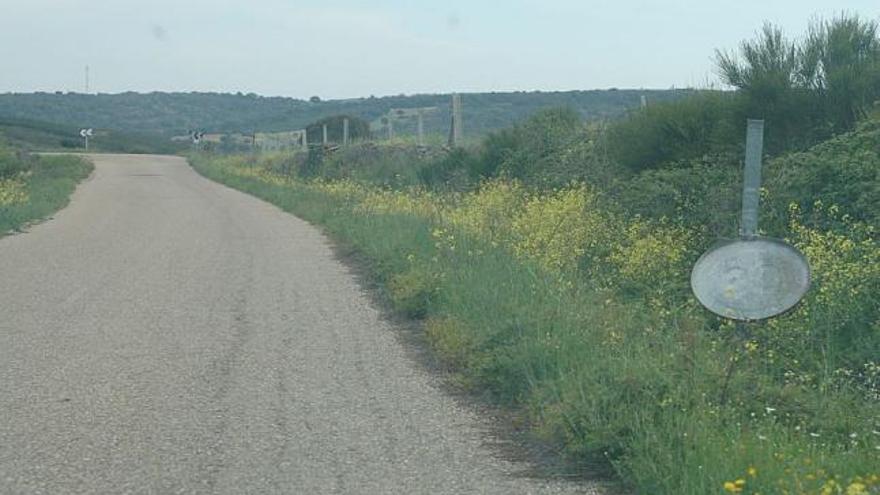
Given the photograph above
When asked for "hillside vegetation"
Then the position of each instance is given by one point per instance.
(178, 113)
(44, 136)
(549, 267)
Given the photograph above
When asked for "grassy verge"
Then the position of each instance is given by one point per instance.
(581, 320)
(34, 187)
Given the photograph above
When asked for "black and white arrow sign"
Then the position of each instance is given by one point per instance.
(86, 134)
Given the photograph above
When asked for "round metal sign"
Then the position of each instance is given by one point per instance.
(751, 279)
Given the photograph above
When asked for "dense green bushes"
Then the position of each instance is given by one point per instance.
(691, 128)
(805, 91)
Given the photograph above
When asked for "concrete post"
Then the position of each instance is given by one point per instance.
(457, 131)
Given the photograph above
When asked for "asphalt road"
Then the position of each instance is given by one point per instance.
(165, 334)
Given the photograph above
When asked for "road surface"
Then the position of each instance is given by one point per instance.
(165, 334)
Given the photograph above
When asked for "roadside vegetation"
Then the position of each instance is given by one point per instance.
(33, 187)
(549, 267)
(35, 135)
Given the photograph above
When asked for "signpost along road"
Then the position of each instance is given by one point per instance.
(86, 134)
(753, 277)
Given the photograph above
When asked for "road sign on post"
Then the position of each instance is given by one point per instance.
(197, 136)
(86, 134)
(753, 277)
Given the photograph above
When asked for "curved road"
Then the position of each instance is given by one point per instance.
(165, 334)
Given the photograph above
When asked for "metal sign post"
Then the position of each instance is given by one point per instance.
(197, 136)
(752, 178)
(751, 278)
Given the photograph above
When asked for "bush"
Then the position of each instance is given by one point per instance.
(806, 92)
(13, 162)
(523, 150)
(844, 171)
(704, 124)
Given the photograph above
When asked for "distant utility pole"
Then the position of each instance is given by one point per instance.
(421, 127)
(305, 138)
(87, 79)
(345, 132)
(644, 101)
(457, 131)
(390, 129)
(324, 140)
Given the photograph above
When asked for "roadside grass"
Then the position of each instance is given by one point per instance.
(39, 186)
(581, 321)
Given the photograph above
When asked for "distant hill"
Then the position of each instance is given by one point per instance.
(176, 113)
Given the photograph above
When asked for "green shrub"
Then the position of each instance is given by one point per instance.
(522, 151)
(13, 162)
(706, 123)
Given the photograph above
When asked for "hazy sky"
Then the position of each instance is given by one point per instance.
(351, 48)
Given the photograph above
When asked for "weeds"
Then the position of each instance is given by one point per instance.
(556, 303)
(35, 187)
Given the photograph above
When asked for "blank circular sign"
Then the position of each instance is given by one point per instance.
(751, 279)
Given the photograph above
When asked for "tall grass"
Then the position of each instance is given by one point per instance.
(34, 187)
(578, 315)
